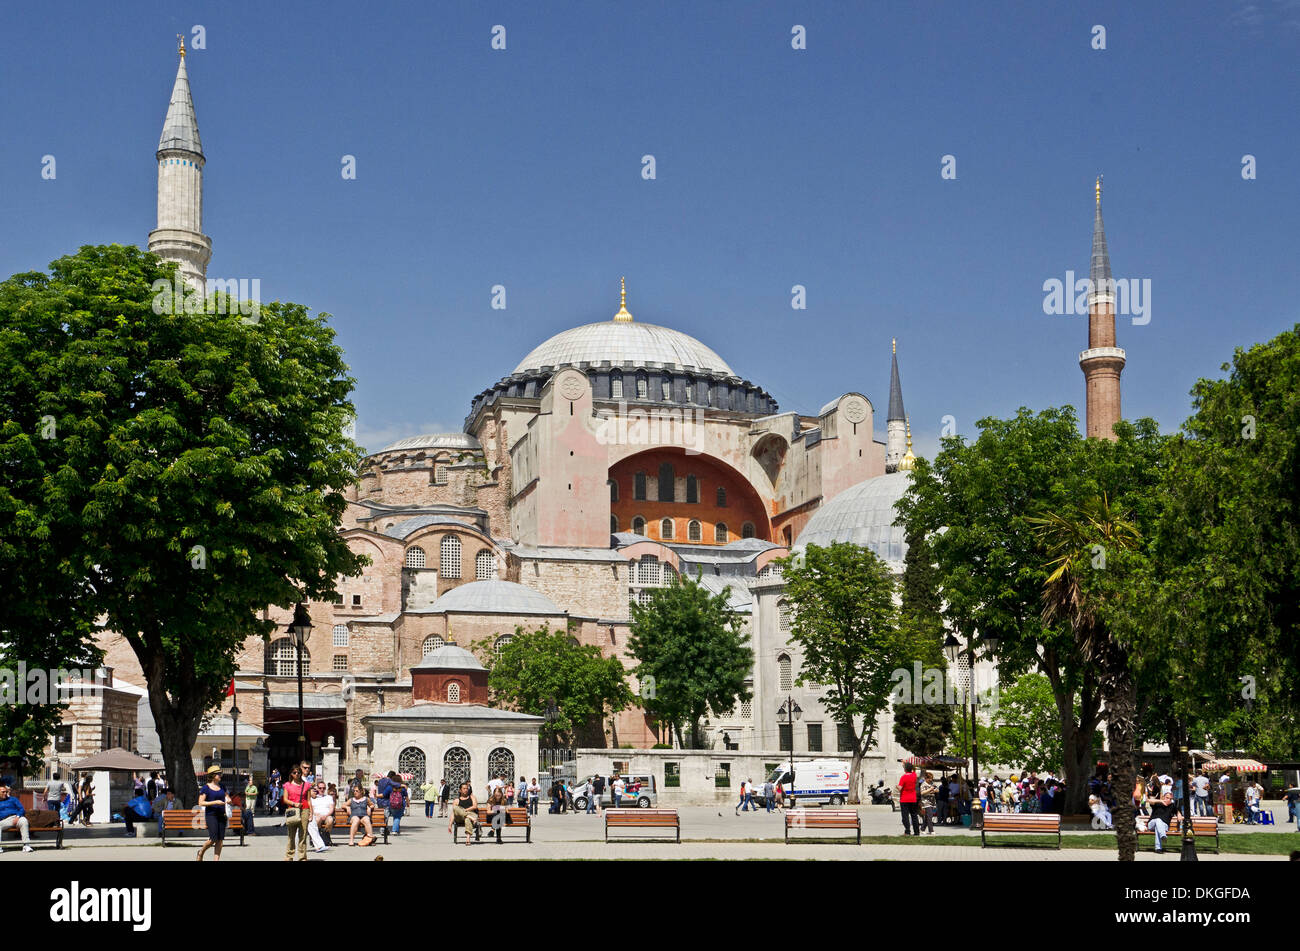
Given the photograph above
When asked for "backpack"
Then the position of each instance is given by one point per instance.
(395, 797)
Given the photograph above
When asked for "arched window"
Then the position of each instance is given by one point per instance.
(455, 766)
(453, 692)
(669, 572)
(616, 385)
(722, 497)
(501, 762)
(613, 491)
(613, 524)
(720, 533)
(692, 489)
(690, 389)
(449, 556)
(667, 390)
(642, 386)
(786, 669)
(638, 487)
(784, 614)
(485, 565)
(411, 760)
(648, 570)
(501, 642)
(667, 483)
(747, 530)
(666, 528)
(282, 659)
(638, 525)
(431, 644)
(694, 531)
(415, 557)
(340, 635)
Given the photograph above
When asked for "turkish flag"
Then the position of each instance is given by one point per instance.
(230, 691)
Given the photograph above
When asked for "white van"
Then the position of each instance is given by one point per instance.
(824, 781)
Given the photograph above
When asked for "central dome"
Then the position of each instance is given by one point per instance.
(624, 342)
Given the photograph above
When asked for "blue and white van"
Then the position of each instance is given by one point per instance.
(824, 781)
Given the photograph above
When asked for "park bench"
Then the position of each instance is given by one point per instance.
(180, 821)
(1020, 822)
(822, 819)
(643, 819)
(343, 822)
(38, 821)
(519, 821)
(1202, 827)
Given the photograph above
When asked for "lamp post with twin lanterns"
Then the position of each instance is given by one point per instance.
(300, 629)
(955, 651)
(791, 711)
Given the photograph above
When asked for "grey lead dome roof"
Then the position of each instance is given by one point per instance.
(449, 657)
(495, 597)
(619, 343)
(864, 515)
(435, 441)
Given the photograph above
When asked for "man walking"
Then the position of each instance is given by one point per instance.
(1201, 784)
(769, 795)
(53, 793)
(907, 800)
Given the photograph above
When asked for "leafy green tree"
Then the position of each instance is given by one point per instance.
(692, 655)
(1024, 730)
(923, 728)
(196, 474)
(846, 626)
(545, 672)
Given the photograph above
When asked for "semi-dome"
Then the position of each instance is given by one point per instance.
(624, 342)
(863, 514)
(435, 441)
(495, 597)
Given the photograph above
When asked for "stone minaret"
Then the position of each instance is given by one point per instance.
(896, 423)
(1102, 362)
(179, 236)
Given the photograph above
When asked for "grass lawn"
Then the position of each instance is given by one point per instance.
(1244, 843)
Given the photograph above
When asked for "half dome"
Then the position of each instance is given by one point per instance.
(863, 514)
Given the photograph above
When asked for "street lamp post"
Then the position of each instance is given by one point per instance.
(1189, 840)
(300, 628)
(791, 711)
(953, 648)
(234, 738)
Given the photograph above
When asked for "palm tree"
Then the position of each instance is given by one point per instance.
(1078, 543)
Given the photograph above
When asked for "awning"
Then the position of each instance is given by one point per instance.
(1240, 765)
(942, 762)
(310, 701)
(117, 759)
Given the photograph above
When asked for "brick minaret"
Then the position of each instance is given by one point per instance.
(179, 236)
(1102, 362)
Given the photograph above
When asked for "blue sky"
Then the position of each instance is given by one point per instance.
(775, 167)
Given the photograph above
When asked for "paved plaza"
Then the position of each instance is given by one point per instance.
(708, 833)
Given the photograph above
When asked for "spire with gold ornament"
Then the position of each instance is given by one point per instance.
(1103, 361)
(623, 316)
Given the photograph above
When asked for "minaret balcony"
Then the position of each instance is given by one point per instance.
(1102, 354)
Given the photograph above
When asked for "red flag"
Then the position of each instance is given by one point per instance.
(230, 691)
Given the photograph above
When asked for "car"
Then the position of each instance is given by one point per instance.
(645, 795)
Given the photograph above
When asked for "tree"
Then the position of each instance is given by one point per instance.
(543, 667)
(1024, 731)
(198, 469)
(692, 655)
(922, 728)
(846, 626)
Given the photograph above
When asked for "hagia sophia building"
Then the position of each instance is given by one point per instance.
(612, 457)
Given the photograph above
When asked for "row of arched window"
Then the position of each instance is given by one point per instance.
(701, 395)
(450, 559)
(694, 529)
(455, 766)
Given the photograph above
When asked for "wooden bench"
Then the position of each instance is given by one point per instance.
(822, 819)
(1031, 822)
(343, 822)
(1202, 827)
(180, 821)
(518, 821)
(643, 819)
(38, 820)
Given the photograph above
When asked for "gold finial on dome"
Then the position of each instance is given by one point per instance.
(908, 462)
(180, 41)
(1099, 189)
(895, 345)
(622, 317)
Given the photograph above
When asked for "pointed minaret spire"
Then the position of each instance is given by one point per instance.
(179, 236)
(1103, 361)
(896, 421)
(622, 317)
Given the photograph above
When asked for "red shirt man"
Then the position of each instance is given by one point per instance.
(907, 786)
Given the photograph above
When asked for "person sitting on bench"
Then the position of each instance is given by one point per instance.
(1162, 817)
(139, 809)
(463, 811)
(13, 815)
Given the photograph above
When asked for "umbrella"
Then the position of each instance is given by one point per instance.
(1240, 765)
(117, 759)
(942, 762)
